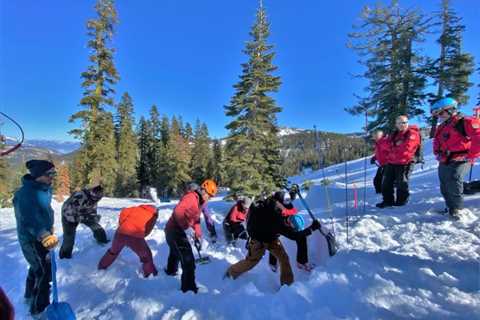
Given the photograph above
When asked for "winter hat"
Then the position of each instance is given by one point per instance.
(97, 192)
(38, 168)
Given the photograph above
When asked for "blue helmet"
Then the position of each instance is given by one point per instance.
(297, 222)
(442, 104)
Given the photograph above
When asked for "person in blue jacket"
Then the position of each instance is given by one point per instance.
(34, 216)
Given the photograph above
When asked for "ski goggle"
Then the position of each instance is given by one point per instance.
(51, 173)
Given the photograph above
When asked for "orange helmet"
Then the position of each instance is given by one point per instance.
(210, 187)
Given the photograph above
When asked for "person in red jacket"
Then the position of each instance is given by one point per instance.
(233, 223)
(187, 215)
(456, 145)
(382, 148)
(403, 144)
(135, 223)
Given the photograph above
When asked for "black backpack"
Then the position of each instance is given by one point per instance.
(263, 221)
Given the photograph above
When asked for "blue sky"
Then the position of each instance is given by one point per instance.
(184, 57)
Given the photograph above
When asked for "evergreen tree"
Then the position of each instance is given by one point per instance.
(216, 167)
(396, 72)
(62, 182)
(253, 151)
(127, 151)
(201, 153)
(145, 141)
(189, 135)
(164, 130)
(97, 129)
(177, 160)
(156, 148)
(478, 101)
(451, 71)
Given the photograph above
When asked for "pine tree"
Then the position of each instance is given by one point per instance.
(253, 150)
(156, 148)
(127, 151)
(396, 72)
(177, 160)
(189, 135)
(62, 182)
(201, 153)
(97, 130)
(145, 140)
(216, 167)
(451, 71)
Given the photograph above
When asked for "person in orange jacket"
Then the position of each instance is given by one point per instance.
(187, 215)
(135, 224)
(382, 148)
(456, 145)
(404, 143)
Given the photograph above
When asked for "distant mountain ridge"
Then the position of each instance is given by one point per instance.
(55, 146)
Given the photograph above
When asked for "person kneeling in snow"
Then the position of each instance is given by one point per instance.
(135, 224)
(81, 207)
(34, 215)
(187, 215)
(290, 230)
(264, 226)
(233, 222)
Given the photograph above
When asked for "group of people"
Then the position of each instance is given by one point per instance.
(456, 145)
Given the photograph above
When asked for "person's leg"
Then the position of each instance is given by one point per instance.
(444, 177)
(227, 230)
(302, 250)
(377, 181)
(173, 255)
(30, 284)
(455, 184)
(98, 232)
(43, 277)
(141, 248)
(272, 261)
(387, 185)
(112, 253)
(256, 250)
(34, 271)
(286, 274)
(187, 261)
(69, 231)
(402, 177)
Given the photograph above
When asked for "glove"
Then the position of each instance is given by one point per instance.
(315, 225)
(198, 244)
(372, 160)
(50, 242)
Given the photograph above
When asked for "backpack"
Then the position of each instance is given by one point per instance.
(418, 157)
(262, 221)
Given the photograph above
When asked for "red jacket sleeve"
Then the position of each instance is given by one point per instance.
(472, 129)
(237, 215)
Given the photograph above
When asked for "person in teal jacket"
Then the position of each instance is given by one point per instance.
(34, 216)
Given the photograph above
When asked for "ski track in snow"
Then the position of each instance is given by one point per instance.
(401, 263)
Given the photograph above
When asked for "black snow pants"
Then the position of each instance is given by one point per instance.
(396, 176)
(69, 231)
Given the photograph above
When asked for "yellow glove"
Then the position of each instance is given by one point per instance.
(50, 242)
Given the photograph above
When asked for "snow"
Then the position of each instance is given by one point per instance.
(399, 263)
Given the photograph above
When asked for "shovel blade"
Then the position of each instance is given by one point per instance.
(203, 260)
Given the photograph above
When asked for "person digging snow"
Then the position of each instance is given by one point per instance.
(293, 231)
(35, 218)
(187, 215)
(380, 158)
(265, 223)
(403, 144)
(81, 207)
(135, 224)
(233, 224)
(456, 145)
(210, 224)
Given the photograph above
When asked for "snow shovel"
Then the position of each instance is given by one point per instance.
(57, 310)
(201, 260)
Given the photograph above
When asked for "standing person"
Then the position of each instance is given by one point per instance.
(456, 145)
(264, 225)
(403, 144)
(293, 232)
(135, 224)
(35, 217)
(81, 207)
(380, 158)
(209, 223)
(187, 215)
(233, 223)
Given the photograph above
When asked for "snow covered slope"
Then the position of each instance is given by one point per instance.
(398, 263)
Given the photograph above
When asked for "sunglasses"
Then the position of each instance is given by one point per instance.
(402, 122)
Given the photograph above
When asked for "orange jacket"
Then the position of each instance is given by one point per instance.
(137, 221)
(187, 214)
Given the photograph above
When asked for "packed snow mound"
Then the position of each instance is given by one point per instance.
(408, 262)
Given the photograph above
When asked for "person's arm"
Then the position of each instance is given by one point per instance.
(190, 209)
(150, 224)
(32, 218)
(208, 220)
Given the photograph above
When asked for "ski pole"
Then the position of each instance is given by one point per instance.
(346, 195)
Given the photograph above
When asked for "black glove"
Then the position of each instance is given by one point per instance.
(198, 244)
(373, 160)
(315, 225)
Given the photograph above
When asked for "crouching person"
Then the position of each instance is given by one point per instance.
(233, 222)
(81, 207)
(34, 216)
(264, 225)
(135, 224)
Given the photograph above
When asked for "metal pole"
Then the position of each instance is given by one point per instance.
(346, 194)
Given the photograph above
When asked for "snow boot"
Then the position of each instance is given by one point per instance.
(454, 213)
(168, 273)
(383, 205)
(308, 267)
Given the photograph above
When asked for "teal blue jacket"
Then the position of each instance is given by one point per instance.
(33, 210)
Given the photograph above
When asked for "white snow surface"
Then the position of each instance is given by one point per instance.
(401, 263)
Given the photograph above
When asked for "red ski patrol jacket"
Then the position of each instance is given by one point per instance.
(403, 146)
(137, 221)
(457, 139)
(237, 214)
(187, 214)
(382, 149)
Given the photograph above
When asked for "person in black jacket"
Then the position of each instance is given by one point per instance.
(264, 226)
